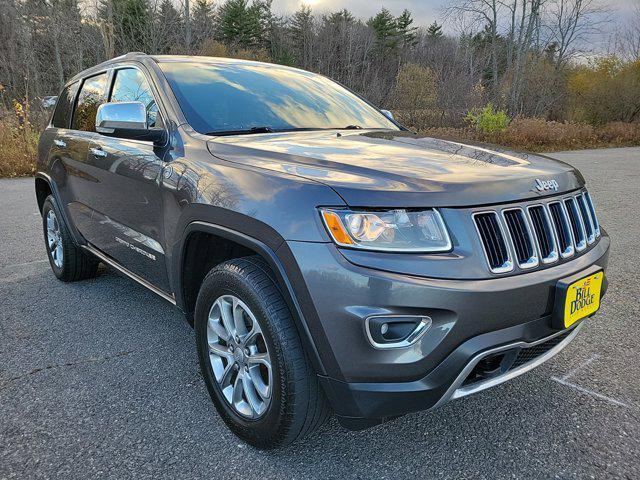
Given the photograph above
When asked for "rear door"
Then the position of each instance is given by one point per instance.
(126, 205)
(82, 185)
(63, 147)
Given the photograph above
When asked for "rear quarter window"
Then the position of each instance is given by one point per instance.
(92, 94)
(64, 106)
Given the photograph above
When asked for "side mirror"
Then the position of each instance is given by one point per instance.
(49, 102)
(387, 114)
(126, 120)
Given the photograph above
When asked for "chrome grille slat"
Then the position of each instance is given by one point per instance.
(545, 237)
(562, 229)
(586, 219)
(577, 227)
(592, 210)
(543, 232)
(493, 241)
(521, 237)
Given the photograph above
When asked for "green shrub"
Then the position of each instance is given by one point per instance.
(488, 119)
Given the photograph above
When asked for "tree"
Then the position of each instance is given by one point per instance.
(203, 22)
(385, 27)
(406, 31)
(129, 21)
(303, 36)
(434, 31)
(242, 24)
(166, 36)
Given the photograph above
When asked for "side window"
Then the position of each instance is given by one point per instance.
(92, 95)
(131, 85)
(64, 107)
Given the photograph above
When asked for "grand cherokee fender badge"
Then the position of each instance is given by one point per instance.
(542, 185)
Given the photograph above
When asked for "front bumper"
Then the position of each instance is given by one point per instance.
(472, 320)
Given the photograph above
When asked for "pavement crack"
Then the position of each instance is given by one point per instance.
(82, 361)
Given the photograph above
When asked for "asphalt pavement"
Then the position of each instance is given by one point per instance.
(100, 379)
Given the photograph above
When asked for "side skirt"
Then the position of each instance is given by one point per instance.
(112, 263)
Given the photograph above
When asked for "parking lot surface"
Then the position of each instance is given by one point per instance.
(100, 379)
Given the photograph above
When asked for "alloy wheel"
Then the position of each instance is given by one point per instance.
(54, 239)
(239, 357)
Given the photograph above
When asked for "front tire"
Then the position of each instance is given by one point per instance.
(68, 261)
(251, 357)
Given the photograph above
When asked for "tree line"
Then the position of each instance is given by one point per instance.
(528, 58)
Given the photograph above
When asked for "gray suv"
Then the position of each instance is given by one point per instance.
(330, 260)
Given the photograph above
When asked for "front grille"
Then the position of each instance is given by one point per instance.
(493, 241)
(548, 232)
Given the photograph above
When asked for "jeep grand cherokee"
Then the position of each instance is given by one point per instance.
(329, 259)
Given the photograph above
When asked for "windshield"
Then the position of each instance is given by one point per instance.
(229, 97)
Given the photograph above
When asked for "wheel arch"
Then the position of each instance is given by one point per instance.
(246, 245)
(45, 186)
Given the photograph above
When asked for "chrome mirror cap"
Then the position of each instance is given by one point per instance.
(387, 114)
(123, 115)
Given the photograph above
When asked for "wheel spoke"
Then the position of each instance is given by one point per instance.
(258, 383)
(218, 329)
(237, 389)
(259, 359)
(252, 335)
(227, 315)
(220, 350)
(225, 380)
(250, 393)
(238, 318)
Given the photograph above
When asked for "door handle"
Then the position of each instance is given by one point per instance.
(60, 143)
(98, 152)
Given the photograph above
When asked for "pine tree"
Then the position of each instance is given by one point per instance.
(406, 32)
(203, 18)
(169, 26)
(341, 18)
(385, 27)
(302, 33)
(129, 20)
(242, 24)
(434, 31)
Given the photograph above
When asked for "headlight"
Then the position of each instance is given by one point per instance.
(392, 230)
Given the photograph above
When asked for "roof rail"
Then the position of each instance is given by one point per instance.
(126, 55)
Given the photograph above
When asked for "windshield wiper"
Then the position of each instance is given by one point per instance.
(352, 127)
(242, 131)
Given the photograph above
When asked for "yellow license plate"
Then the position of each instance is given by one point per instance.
(583, 298)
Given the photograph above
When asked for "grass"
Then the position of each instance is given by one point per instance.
(18, 148)
(539, 135)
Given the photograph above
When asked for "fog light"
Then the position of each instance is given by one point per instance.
(396, 331)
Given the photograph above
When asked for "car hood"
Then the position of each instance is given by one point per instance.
(401, 169)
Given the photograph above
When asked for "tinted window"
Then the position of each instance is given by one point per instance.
(92, 95)
(130, 85)
(238, 96)
(64, 107)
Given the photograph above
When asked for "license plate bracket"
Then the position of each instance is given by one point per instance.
(577, 297)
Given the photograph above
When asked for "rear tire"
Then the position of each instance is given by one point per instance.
(294, 404)
(68, 261)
